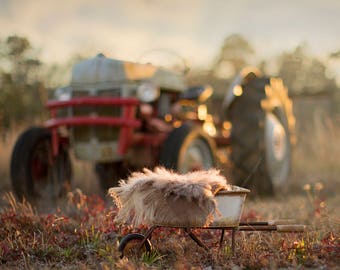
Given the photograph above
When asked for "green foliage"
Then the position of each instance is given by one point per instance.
(22, 91)
(108, 252)
(335, 54)
(298, 252)
(17, 46)
(305, 74)
(234, 55)
(150, 258)
(91, 238)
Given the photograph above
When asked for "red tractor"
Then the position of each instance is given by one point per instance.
(124, 116)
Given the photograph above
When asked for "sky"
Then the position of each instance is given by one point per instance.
(194, 29)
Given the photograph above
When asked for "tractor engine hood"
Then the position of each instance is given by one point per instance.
(103, 72)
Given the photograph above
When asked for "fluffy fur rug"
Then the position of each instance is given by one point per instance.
(163, 197)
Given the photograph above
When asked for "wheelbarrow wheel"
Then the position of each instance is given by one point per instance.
(35, 173)
(129, 246)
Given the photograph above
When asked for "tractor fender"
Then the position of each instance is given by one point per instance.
(244, 75)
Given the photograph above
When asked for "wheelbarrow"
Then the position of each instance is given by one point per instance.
(230, 205)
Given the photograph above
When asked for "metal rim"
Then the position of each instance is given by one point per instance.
(45, 172)
(277, 150)
(196, 156)
(131, 248)
(130, 245)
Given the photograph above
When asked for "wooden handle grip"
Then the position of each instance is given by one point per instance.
(291, 228)
(281, 222)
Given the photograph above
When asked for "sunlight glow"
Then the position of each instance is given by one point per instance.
(168, 117)
(202, 112)
(238, 90)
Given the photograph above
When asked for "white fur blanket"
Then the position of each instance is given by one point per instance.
(163, 197)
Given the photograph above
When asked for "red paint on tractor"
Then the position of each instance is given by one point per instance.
(127, 121)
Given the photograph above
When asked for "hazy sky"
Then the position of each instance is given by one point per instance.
(193, 28)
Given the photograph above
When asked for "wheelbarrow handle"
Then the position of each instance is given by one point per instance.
(269, 222)
(291, 228)
(281, 222)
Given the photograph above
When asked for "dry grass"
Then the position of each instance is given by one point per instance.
(85, 177)
(7, 141)
(316, 157)
(82, 234)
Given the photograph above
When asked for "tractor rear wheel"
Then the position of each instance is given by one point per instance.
(35, 173)
(261, 136)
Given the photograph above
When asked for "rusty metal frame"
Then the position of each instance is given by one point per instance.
(255, 226)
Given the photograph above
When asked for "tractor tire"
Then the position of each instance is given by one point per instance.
(261, 136)
(35, 174)
(187, 148)
(109, 174)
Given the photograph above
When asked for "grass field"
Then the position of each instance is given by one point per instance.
(81, 233)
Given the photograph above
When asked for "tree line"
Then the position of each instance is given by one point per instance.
(26, 82)
(303, 73)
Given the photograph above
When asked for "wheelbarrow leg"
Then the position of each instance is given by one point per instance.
(149, 232)
(222, 237)
(233, 231)
(196, 239)
(147, 236)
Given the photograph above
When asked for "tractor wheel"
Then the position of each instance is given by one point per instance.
(109, 174)
(187, 149)
(261, 136)
(35, 174)
(129, 246)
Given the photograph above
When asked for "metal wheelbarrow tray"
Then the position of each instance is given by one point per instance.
(230, 205)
